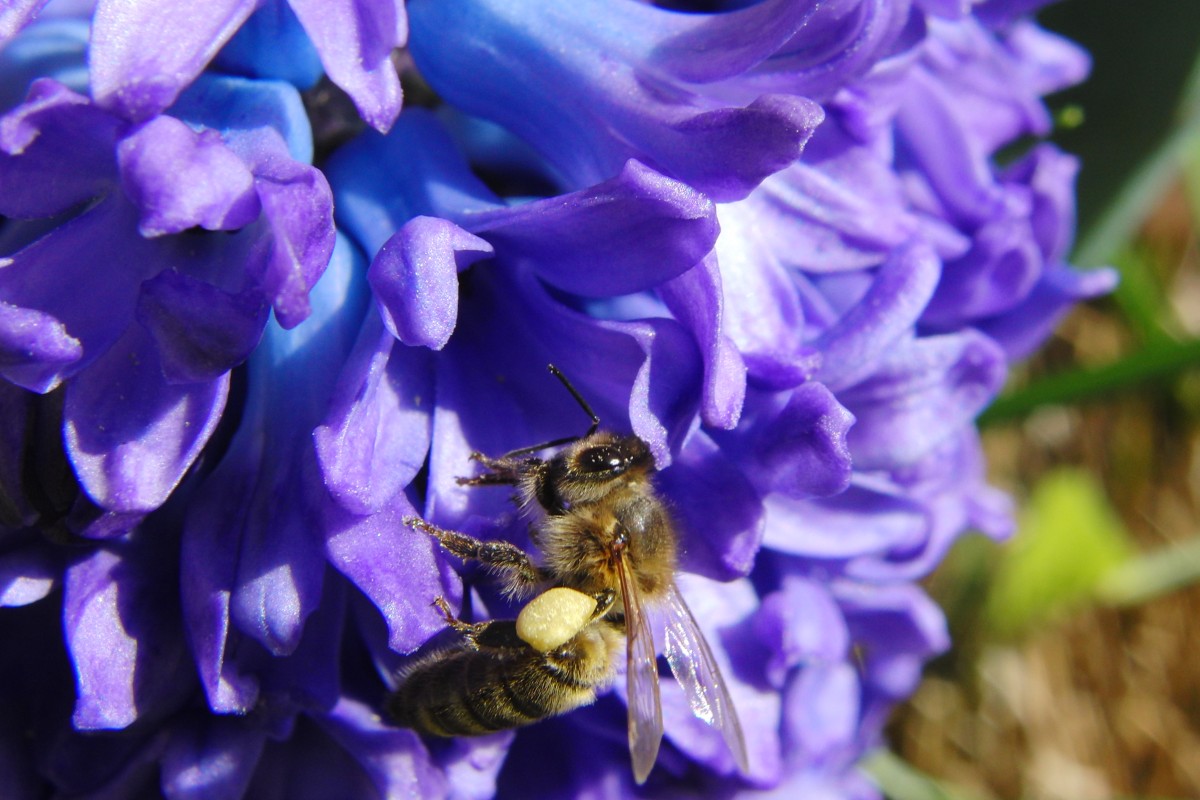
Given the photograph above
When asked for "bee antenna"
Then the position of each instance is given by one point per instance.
(556, 372)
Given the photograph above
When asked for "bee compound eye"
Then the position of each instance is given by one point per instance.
(600, 459)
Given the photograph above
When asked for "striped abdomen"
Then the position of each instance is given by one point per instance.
(470, 692)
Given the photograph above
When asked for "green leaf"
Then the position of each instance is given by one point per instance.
(1164, 360)
(1142, 300)
(1069, 539)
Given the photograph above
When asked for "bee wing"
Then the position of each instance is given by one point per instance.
(696, 669)
(641, 676)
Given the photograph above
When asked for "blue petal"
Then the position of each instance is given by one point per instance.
(272, 44)
(415, 279)
(52, 48)
(532, 68)
(375, 436)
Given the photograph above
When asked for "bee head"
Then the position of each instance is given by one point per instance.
(604, 456)
(590, 469)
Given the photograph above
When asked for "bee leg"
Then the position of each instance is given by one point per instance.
(469, 630)
(604, 601)
(505, 470)
(504, 557)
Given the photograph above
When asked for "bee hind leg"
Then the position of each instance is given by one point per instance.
(470, 631)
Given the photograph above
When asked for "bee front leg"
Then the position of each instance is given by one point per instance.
(506, 470)
(521, 574)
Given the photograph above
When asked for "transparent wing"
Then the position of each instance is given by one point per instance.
(641, 675)
(696, 669)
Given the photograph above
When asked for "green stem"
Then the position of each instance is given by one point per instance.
(1114, 228)
(1164, 360)
(1153, 575)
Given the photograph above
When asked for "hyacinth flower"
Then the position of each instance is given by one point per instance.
(144, 55)
(772, 242)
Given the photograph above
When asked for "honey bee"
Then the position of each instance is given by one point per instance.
(504, 674)
(601, 527)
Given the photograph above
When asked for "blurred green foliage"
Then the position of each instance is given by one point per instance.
(1069, 540)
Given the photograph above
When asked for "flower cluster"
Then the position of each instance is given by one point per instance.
(245, 331)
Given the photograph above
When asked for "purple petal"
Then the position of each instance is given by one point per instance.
(355, 39)
(840, 207)
(122, 636)
(144, 54)
(921, 394)
(666, 389)
(100, 304)
(800, 623)
(709, 47)
(766, 136)
(471, 765)
(309, 677)
(201, 332)
(721, 515)
(181, 178)
(376, 433)
(308, 766)
(861, 520)
(16, 14)
(695, 299)
(297, 205)
(280, 566)
(58, 133)
(900, 291)
(27, 574)
(822, 712)
(799, 449)
(1050, 176)
(997, 273)
(579, 241)
(903, 626)
(935, 138)
(208, 567)
(130, 434)
(211, 757)
(762, 312)
(396, 760)
(1023, 328)
(35, 348)
(951, 481)
(415, 279)
(838, 43)
(395, 567)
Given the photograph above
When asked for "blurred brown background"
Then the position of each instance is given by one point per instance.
(1092, 690)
